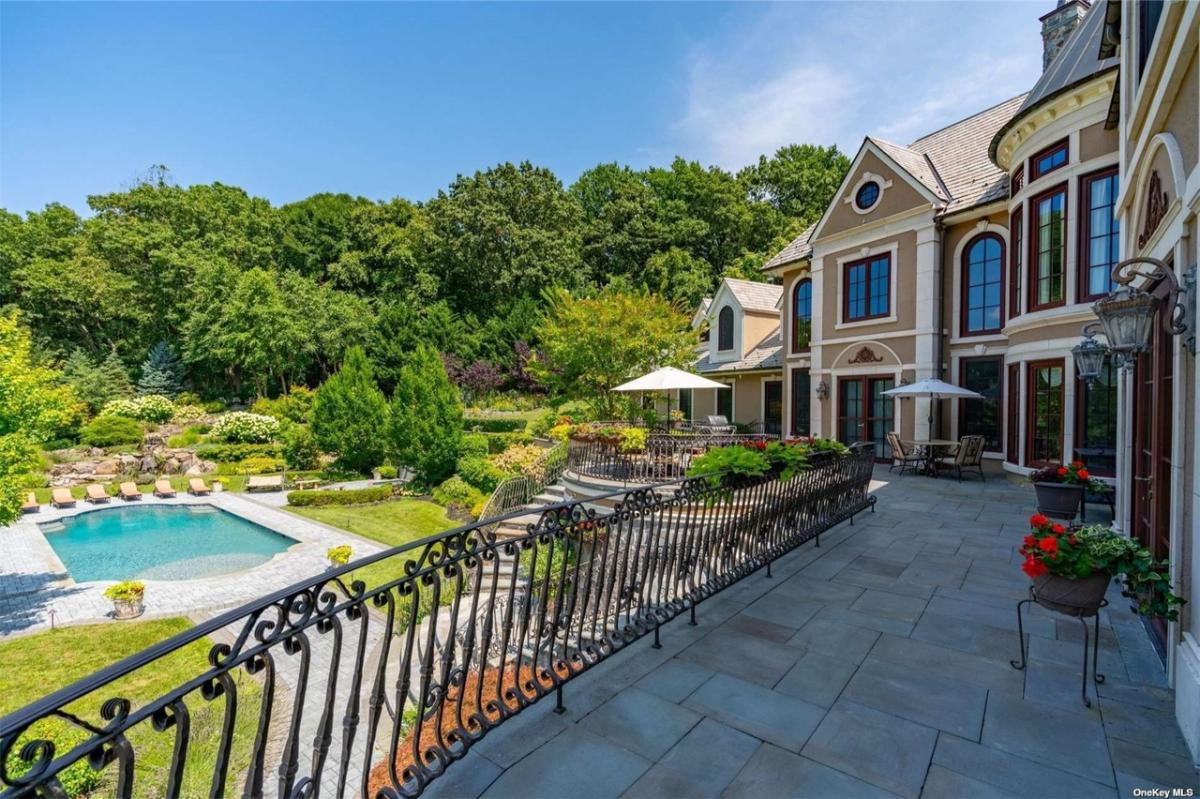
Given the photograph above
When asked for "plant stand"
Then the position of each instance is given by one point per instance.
(1082, 615)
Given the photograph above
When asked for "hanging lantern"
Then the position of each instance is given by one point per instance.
(822, 390)
(1089, 355)
(1127, 316)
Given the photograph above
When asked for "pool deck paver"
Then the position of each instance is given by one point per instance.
(36, 590)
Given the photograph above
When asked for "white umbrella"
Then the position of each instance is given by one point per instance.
(668, 378)
(933, 389)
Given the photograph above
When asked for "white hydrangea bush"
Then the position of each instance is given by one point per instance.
(151, 408)
(241, 427)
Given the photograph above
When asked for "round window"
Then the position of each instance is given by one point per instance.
(868, 195)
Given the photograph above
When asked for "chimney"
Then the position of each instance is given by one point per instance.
(1058, 25)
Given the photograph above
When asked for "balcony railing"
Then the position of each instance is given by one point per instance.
(518, 491)
(665, 457)
(376, 690)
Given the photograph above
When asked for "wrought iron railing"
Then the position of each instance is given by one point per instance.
(518, 491)
(665, 457)
(355, 694)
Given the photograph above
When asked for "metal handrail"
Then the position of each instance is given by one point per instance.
(509, 623)
(519, 490)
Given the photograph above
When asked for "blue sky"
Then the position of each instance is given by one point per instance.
(389, 100)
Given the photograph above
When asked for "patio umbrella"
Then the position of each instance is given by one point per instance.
(668, 378)
(933, 389)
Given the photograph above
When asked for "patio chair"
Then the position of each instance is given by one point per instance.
(197, 487)
(30, 505)
(130, 491)
(907, 459)
(164, 489)
(969, 455)
(62, 498)
(96, 494)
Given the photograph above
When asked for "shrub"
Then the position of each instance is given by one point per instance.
(295, 406)
(78, 779)
(426, 418)
(733, 460)
(187, 413)
(633, 439)
(240, 427)
(493, 424)
(259, 465)
(339, 555)
(517, 460)
(787, 459)
(540, 424)
(480, 473)
(561, 432)
(474, 444)
(229, 453)
(456, 491)
(111, 431)
(213, 406)
(354, 496)
(578, 410)
(350, 415)
(97, 384)
(300, 448)
(387, 472)
(150, 408)
(127, 591)
(498, 442)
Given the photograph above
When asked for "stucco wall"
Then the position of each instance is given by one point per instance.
(900, 197)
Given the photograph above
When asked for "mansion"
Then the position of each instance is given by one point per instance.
(974, 254)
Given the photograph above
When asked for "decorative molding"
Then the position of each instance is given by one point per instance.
(866, 355)
(1156, 208)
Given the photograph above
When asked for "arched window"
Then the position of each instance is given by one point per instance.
(725, 329)
(801, 315)
(982, 285)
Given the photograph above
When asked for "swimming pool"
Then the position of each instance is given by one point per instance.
(164, 542)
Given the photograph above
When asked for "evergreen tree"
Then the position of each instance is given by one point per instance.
(97, 384)
(162, 372)
(426, 418)
(350, 414)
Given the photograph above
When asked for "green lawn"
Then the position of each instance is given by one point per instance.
(38, 664)
(391, 523)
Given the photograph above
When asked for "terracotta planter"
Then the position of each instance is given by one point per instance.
(1058, 500)
(128, 608)
(1073, 597)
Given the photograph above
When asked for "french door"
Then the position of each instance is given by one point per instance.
(773, 407)
(865, 413)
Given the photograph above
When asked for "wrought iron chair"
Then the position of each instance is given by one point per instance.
(906, 458)
(969, 455)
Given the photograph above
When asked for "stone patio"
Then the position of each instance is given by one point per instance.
(874, 666)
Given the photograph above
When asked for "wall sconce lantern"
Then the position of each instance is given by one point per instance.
(904, 381)
(1089, 354)
(822, 390)
(1127, 313)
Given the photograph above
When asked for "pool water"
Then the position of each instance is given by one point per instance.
(164, 542)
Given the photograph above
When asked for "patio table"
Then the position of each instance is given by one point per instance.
(930, 450)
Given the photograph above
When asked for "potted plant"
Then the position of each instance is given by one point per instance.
(1060, 489)
(127, 598)
(339, 555)
(1071, 569)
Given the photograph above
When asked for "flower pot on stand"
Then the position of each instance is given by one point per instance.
(1080, 597)
(1058, 500)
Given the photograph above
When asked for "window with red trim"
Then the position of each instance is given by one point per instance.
(801, 315)
(982, 305)
(1099, 234)
(867, 288)
(1048, 160)
(1018, 180)
(1047, 248)
(1016, 241)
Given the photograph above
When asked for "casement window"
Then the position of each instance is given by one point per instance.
(867, 288)
(1096, 421)
(1048, 249)
(982, 416)
(1044, 413)
(1013, 401)
(1052, 158)
(982, 304)
(1099, 234)
(1017, 182)
(725, 329)
(1016, 240)
(801, 315)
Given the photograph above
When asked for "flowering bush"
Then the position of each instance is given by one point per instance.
(561, 431)
(128, 591)
(1075, 474)
(517, 460)
(187, 413)
(246, 428)
(150, 408)
(1051, 548)
(339, 555)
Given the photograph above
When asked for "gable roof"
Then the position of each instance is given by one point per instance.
(797, 250)
(915, 164)
(1078, 61)
(755, 296)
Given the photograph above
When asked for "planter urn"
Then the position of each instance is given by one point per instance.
(128, 608)
(1071, 596)
(1058, 500)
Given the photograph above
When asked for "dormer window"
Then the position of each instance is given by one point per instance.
(725, 329)
(1048, 160)
(867, 195)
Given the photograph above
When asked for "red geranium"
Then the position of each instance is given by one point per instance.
(1038, 520)
(1034, 567)
(1049, 545)
(1083, 474)
(1062, 471)
(1057, 529)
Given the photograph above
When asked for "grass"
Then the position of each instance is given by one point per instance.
(38, 664)
(391, 523)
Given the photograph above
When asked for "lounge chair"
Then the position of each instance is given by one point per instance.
(130, 491)
(62, 498)
(907, 459)
(30, 505)
(96, 494)
(969, 455)
(265, 483)
(197, 487)
(163, 488)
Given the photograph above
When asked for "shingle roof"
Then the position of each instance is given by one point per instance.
(755, 296)
(798, 250)
(914, 163)
(1078, 61)
(767, 354)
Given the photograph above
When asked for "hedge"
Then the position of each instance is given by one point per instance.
(231, 453)
(498, 442)
(493, 424)
(353, 496)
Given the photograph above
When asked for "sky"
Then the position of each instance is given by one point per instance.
(397, 99)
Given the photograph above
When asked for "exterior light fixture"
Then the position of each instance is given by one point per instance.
(904, 381)
(1089, 354)
(1127, 313)
(822, 390)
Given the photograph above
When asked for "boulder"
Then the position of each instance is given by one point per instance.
(148, 463)
(83, 467)
(171, 466)
(107, 467)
